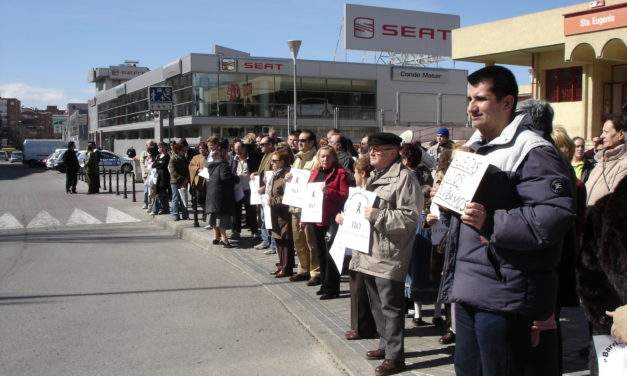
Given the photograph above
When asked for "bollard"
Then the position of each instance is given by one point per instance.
(104, 179)
(133, 184)
(117, 183)
(125, 196)
(110, 187)
(195, 207)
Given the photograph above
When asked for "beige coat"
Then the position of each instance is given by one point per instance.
(611, 168)
(399, 200)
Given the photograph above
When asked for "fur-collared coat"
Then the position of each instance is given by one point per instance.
(602, 265)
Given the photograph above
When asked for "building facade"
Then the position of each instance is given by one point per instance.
(577, 57)
(9, 121)
(231, 96)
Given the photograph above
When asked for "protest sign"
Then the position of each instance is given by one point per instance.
(611, 355)
(295, 188)
(267, 214)
(255, 198)
(338, 249)
(204, 173)
(356, 230)
(461, 180)
(312, 207)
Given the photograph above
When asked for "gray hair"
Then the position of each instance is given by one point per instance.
(541, 114)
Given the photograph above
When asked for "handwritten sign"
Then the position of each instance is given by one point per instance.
(356, 228)
(312, 204)
(267, 214)
(461, 180)
(611, 355)
(255, 198)
(296, 188)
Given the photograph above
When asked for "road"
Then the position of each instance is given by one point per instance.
(88, 286)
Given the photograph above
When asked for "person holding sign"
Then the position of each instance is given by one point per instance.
(335, 193)
(309, 269)
(504, 248)
(281, 217)
(393, 219)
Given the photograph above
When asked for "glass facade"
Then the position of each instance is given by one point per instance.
(247, 95)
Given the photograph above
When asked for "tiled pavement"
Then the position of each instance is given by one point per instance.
(327, 320)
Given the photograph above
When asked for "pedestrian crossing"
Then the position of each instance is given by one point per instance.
(78, 217)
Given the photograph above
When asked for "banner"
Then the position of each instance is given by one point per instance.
(461, 180)
(312, 207)
(356, 228)
(295, 189)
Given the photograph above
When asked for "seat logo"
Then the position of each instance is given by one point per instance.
(363, 27)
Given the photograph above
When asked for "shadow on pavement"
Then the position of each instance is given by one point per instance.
(15, 171)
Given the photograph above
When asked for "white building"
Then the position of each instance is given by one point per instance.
(235, 94)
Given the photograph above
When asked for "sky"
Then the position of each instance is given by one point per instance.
(47, 47)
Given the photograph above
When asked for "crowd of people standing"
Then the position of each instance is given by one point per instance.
(545, 229)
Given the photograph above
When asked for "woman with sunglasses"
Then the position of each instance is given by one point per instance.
(281, 216)
(336, 183)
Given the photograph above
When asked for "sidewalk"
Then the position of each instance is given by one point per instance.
(327, 320)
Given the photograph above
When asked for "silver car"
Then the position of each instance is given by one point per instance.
(109, 160)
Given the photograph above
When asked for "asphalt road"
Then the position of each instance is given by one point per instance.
(103, 292)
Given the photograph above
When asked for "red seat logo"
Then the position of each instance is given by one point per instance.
(363, 27)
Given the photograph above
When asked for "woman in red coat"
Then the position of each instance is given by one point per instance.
(336, 183)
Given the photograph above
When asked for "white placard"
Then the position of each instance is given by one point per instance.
(204, 173)
(312, 208)
(267, 214)
(356, 230)
(267, 178)
(338, 249)
(461, 180)
(611, 356)
(255, 198)
(296, 187)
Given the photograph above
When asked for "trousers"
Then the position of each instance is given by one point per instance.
(307, 256)
(387, 302)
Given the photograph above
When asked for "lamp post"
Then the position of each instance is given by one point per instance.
(294, 46)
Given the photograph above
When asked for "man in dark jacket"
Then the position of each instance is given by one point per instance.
(71, 168)
(504, 249)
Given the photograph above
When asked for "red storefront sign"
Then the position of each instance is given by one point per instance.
(606, 18)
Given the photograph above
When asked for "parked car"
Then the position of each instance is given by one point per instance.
(108, 159)
(54, 158)
(16, 156)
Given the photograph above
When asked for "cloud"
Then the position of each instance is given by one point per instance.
(27, 93)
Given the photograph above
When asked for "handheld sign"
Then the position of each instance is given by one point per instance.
(461, 180)
(312, 205)
(356, 228)
(255, 198)
(338, 249)
(267, 214)
(295, 188)
(611, 355)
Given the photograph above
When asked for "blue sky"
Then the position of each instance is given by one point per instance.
(47, 46)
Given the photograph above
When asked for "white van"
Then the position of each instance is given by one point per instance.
(35, 151)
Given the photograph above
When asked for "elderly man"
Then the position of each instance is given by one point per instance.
(305, 243)
(501, 263)
(393, 218)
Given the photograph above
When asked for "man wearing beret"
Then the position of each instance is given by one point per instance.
(393, 218)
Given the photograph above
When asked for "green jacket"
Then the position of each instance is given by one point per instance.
(178, 169)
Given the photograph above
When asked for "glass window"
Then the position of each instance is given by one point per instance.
(315, 84)
(334, 84)
(563, 85)
(364, 86)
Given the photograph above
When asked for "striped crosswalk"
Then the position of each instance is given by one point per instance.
(78, 217)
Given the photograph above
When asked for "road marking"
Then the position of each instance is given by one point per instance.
(117, 216)
(43, 219)
(80, 217)
(7, 221)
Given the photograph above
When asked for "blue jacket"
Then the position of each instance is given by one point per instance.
(511, 264)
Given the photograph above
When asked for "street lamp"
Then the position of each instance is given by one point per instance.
(294, 46)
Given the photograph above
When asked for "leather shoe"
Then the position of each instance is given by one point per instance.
(313, 281)
(448, 338)
(282, 274)
(375, 354)
(439, 322)
(299, 277)
(275, 272)
(328, 296)
(389, 367)
(419, 322)
(351, 335)
(320, 292)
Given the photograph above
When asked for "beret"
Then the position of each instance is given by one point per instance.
(384, 138)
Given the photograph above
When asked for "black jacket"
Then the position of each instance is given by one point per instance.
(220, 197)
(163, 175)
(70, 161)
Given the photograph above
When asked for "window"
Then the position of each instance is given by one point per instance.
(563, 85)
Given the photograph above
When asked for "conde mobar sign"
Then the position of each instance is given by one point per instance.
(419, 74)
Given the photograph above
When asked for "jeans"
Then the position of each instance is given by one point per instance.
(176, 204)
(266, 238)
(146, 190)
(161, 201)
(490, 343)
